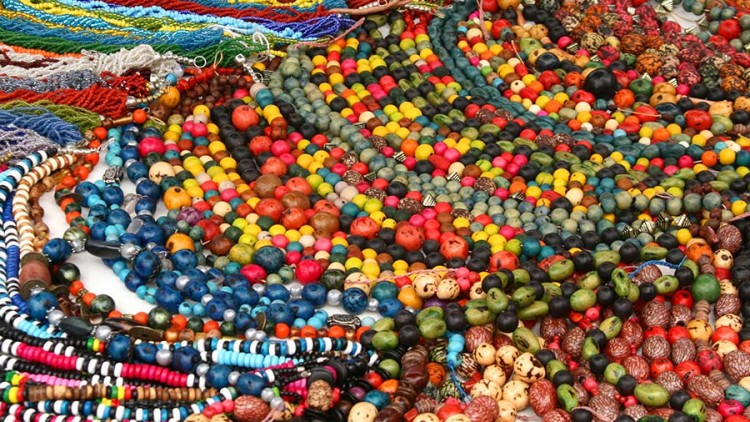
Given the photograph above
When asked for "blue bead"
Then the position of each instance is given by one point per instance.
(246, 295)
(57, 250)
(40, 303)
(118, 216)
(146, 264)
(315, 293)
(137, 171)
(169, 298)
(243, 321)
(186, 309)
(98, 213)
(354, 301)
(280, 313)
(302, 308)
(118, 347)
(113, 195)
(146, 352)
(218, 376)
(133, 281)
(215, 309)
(97, 230)
(184, 260)
(148, 188)
(378, 399)
(277, 292)
(384, 290)
(184, 359)
(250, 384)
(151, 232)
(167, 278)
(390, 307)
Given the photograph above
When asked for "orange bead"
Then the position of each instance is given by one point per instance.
(281, 330)
(82, 172)
(140, 116)
(88, 298)
(100, 132)
(68, 182)
(75, 287)
(308, 331)
(389, 386)
(210, 325)
(336, 331)
(709, 158)
(72, 216)
(361, 330)
(115, 314)
(141, 318)
(409, 146)
(179, 322)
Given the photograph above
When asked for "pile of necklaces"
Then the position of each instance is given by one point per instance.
(362, 211)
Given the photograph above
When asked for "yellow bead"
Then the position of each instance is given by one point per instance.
(423, 152)
(201, 109)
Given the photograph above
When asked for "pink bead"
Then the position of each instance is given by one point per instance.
(352, 118)
(583, 52)
(362, 187)
(438, 173)
(464, 284)
(288, 159)
(295, 137)
(365, 132)
(228, 194)
(531, 200)
(499, 162)
(658, 80)
(391, 201)
(592, 314)
(590, 384)
(410, 163)
(293, 257)
(429, 213)
(452, 155)
(564, 42)
(387, 152)
(323, 244)
(199, 129)
(240, 93)
(685, 161)
(280, 147)
(542, 113)
(188, 125)
(440, 148)
(502, 193)
(670, 170)
(417, 220)
(339, 168)
(227, 406)
(508, 232)
(462, 272)
(468, 181)
(513, 169)
(632, 74)
(474, 61)
(683, 89)
(520, 159)
(280, 241)
(729, 408)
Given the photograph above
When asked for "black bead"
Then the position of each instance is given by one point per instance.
(559, 306)
(598, 336)
(647, 291)
(598, 363)
(629, 252)
(684, 276)
(506, 322)
(581, 415)
(622, 308)
(606, 295)
(404, 318)
(605, 270)
(408, 336)
(545, 356)
(562, 377)
(583, 261)
(624, 418)
(678, 399)
(679, 416)
(626, 385)
(455, 321)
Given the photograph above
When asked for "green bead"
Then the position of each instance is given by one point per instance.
(159, 318)
(102, 304)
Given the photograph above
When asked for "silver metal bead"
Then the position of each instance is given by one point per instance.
(259, 289)
(295, 290)
(103, 332)
(131, 102)
(372, 304)
(278, 403)
(202, 369)
(411, 309)
(55, 316)
(333, 297)
(203, 268)
(129, 250)
(249, 333)
(260, 335)
(233, 377)
(181, 282)
(206, 298)
(229, 315)
(164, 357)
(267, 395)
